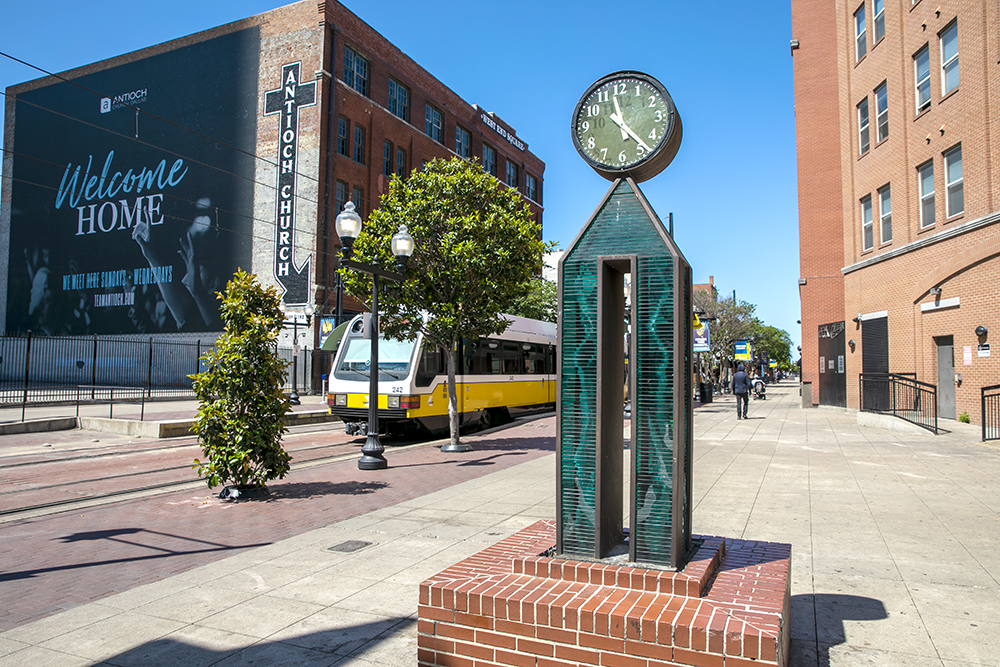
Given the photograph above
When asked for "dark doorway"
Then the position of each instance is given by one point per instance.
(874, 362)
(946, 376)
(832, 376)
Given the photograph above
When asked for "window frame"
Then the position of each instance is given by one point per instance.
(434, 130)
(512, 169)
(357, 81)
(490, 161)
(400, 161)
(343, 136)
(860, 34)
(399, 104)
(878, 21)
(340, 195)
(387, 155)
(359, 143)
(952, 61)
(926, 197)
(530, 187)
(358, 197)
(881, 113)
(463, 142)
(957, 185)
(922, 82)
(864, 127)
(867, 224)
(885, 213)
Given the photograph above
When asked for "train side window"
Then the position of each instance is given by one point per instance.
(534, 359)
(431, 365)
(488, 358)
(550, 360)
(512, 358)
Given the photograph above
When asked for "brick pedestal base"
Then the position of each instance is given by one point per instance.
(507, 605)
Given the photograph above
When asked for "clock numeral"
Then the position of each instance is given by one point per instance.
(585, 126)
(652, 101)
(622, 157)
(638, 93)
(619, 89)
(591, 143)
(659, 116)
(593, 110)
(604, 153)
(652, 135)
(603, 96)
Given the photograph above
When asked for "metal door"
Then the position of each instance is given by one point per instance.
(832, 377)
(875, 361)
(946, 376)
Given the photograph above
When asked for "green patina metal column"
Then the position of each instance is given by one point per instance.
(624, 236)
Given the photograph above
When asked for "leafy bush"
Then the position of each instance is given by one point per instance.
(964, 418)
(242, 407)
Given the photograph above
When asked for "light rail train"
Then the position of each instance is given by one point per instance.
(495, 377)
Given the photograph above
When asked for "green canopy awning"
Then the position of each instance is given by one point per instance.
(333, 340)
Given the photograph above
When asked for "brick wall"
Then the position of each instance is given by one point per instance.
(509, 606)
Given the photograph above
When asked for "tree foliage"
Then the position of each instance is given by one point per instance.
(735, 321)
(477, 249)
(242, 407)
(540, 303)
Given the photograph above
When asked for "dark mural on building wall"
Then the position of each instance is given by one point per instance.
(126, 222)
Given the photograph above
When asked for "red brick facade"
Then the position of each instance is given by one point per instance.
(959, 252)
(729, 607)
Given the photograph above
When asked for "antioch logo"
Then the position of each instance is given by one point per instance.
(118, 101)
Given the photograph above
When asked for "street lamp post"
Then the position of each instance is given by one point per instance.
(293, 398)
(348, 227)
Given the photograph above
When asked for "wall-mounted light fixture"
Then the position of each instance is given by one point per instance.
(852, 344)
(981, 331)
(936, 291)
(857, 320)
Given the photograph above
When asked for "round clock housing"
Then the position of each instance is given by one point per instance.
(627, 125)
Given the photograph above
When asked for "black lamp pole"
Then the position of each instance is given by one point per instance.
(348, 228)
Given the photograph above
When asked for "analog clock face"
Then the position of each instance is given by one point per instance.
(622, 121)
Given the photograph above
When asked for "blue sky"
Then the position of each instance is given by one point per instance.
(731, 188)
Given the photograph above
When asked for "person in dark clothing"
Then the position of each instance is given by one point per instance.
(741, 387)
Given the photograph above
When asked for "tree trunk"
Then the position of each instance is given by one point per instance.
(454, 445)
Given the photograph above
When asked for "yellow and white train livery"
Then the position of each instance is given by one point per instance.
(495, 377)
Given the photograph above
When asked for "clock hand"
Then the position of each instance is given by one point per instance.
(618, 110)
(626, 129)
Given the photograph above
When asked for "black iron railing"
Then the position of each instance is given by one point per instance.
(900, 395)
(990, 402)
(51, 369)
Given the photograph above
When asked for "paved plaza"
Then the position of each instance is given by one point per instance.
(895, 547)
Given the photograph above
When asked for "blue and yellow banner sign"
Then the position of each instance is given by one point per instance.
(702, 340)
(741, 350)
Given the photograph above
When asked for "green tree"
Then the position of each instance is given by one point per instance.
(242, 407)
(773, 342)
(540, 303)
(733, 321)
(477, 249)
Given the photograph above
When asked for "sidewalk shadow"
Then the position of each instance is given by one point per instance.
(317, 648)
(302, 490)
(828, 611)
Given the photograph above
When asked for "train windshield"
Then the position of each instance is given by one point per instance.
(393, 359)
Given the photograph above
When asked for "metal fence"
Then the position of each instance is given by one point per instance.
(990, 402)
(900, 395)
(50, 369)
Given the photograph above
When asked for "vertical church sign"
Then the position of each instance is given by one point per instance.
(626, 127)
(287, 100)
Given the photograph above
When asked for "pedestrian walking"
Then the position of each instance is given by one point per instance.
(741, 387)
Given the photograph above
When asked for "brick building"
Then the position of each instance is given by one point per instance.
(896, 121)
(140, 183)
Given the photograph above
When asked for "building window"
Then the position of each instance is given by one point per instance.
(530, 187)
(341, 195)
(463, 142)
(881, 113)
(878, 27)
(355, 71)
(358, 197)
(490, 160)
(863, 142)
(399, 100)
(860, 42)
(512, 179)
(866, 223)
(343, 127)
(949, 59)
(925, 174)
(885, 214)
(434, 123)
(359, 144)
(953, 181)
(922, 66)
(387, 159)
(400, 162)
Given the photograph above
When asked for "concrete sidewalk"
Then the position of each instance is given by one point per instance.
(895, 543)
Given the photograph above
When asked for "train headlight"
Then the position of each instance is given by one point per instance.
(393, 401)
(340, 400)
